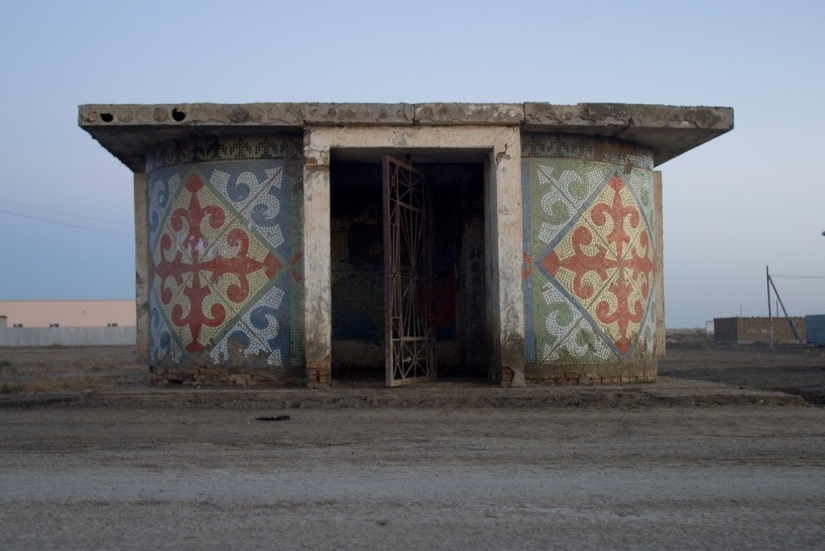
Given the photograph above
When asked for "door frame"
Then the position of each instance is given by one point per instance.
(503, 230)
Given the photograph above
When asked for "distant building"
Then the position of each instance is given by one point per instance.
(67, 323)
(67, 313)
(753, 330)
(815, 326)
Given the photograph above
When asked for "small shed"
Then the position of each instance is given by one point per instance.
(815, 326)
(297, 243)
(752, 330)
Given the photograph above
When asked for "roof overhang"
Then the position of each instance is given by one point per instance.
(129, 132)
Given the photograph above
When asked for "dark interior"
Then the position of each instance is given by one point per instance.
(357, 249)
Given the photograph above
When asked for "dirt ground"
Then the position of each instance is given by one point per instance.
(726, 450)
(694, 370)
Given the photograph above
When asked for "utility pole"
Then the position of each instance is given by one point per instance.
(792, 325)
(770, 314)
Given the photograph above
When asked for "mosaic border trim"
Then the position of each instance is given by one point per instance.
(209, 149)
(591, 148)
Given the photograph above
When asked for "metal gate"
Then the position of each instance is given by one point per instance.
(408, 311)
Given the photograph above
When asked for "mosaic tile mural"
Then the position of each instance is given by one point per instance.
(589, 263)
(226, 258)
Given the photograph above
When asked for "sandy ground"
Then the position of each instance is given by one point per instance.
(726, 451)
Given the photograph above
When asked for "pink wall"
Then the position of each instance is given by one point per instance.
(68, 313)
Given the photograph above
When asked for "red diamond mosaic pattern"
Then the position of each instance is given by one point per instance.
(208, 265)
(606, 262)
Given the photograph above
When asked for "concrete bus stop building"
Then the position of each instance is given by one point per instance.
(262, 237)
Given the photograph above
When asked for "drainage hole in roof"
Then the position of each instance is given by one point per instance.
(107, 117)
(178, 115)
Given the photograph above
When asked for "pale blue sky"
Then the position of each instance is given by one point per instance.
(752, 197)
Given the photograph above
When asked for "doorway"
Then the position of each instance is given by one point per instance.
(456, 278)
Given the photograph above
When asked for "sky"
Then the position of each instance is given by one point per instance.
(751, 198)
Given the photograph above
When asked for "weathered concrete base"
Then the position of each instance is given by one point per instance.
(511, 378)
(506, 377)
(161, 376)
(575, 375)
(643, 369)
(318, 374)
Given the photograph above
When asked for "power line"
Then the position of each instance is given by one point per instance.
(797, 277)
(76, 226)
(62, 212)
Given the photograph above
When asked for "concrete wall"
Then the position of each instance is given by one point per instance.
(68, 336)
(659, 255)
(753, 330)
(68, 313)
(225, 256)
(141, 267)
(590, 275)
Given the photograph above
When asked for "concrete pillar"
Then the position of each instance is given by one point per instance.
(659, 259)
(141, 268)
(317, 274)
(505, 240)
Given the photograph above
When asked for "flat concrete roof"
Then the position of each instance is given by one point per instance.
(129, 131)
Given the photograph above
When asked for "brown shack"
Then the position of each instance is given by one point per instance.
(753, 330)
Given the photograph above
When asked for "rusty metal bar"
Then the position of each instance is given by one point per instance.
(409, 334)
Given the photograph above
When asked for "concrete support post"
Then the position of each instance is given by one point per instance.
(659, 259)
(141, 268)
(317, 271)
(505, 240)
